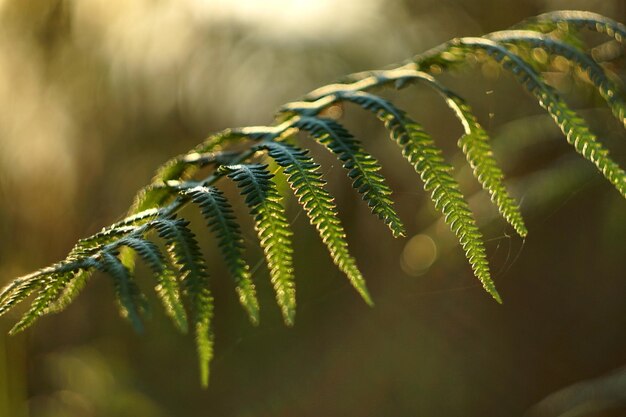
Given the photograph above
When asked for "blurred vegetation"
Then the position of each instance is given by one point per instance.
(97, 93)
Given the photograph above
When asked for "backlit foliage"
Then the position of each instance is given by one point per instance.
(163, 240)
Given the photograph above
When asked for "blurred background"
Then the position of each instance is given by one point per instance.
(96, 94)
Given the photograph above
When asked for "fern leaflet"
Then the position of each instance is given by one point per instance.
(305, 180)
(362, 168)
(609, 91)
(126, 291)
(185, 253)
(273, 230)
(221, 221)
(167, 284)
(573, 126)
(420, 150)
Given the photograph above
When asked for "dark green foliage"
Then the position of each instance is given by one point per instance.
(362, 168)
(573, 126)
(126, 291)
(221, 221)
(307, 184)
(185, 254)
(273, 229)
(182, 277)
(608, 89)
(167, 283)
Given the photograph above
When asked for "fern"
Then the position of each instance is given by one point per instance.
(49, 289)
(573, 126)
(305, 179)
(222, 222)
(474, 143)
(185, 253)
(609, 91)
(126, 291)
(551, 21)
(273, 230)
(362, 168)
(182, 277)
(167, 284)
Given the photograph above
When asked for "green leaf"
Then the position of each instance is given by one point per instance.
(427, 159)
(609, 91)
(573, 126)
(167, 287)
(222, 222)
(185, 253)
(307, 184)
(126, 291)
(272, 228)
(475, 145)
(20, 288)
(48, 292)
(362, 167)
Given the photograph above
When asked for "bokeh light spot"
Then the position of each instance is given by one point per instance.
(418, 255)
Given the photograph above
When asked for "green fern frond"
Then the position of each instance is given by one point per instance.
(573, 126)
(427, 159)
(221, 221)
(183, 274)
(167, 287)
(362, 167)
(47, 294)
(185, 253)
(475, 145)
(608, 90)
(580, 19)
(112, 233)
(475, 142)
(203, 307)
(181, 167)
(69, 292)
(272, 228)
(126, 291)
(20, 289)
(307, 184)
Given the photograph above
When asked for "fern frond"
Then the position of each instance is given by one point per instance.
(19, 289)
(185, 253)
(573, 126)
(22, 287)
(126, 291)
(362, 167)
(203, 306)
(91, 245)
(474, 143)
(427, 159)
(580, 19)
(608, 90)
(307, 184)
(272, 228)
(69, 292)
(47, 294)
(221, 221)
(183, 273)
(167, 287)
